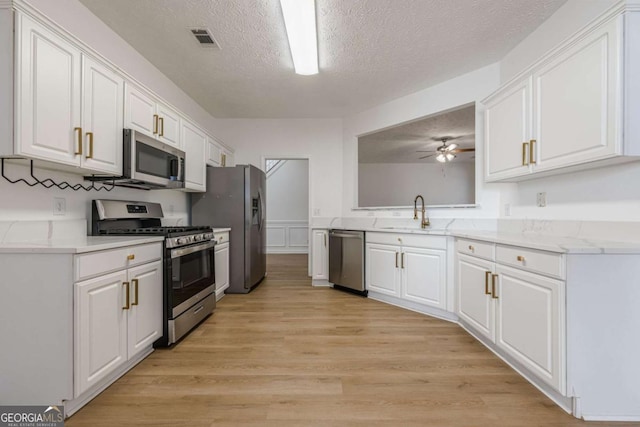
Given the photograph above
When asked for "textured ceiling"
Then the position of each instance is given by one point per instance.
(401, 144)
(370, 51)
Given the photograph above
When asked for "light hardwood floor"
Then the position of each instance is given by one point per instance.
(289, 354)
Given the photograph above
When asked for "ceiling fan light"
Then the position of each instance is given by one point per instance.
(452, 147)
(450, 157)
(441, 158)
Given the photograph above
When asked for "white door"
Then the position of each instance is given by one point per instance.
(101, 328)
(507, 132)
(320, 255)
(576, 102)
(102, 117)
(475, 305)
(195, 163)
(146, 313)
(221, 265)
(168, 125)
(383, 269)
(530, 323)
(140, 112)
(424, 276)
(48, 94)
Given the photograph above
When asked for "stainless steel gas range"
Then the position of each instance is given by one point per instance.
(189, 279)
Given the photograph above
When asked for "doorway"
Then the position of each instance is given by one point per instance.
(287, 206)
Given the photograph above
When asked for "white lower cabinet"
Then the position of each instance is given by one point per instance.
(320, 255)
(414, 273)
(117, 316)
(521, 312)
(221, 265)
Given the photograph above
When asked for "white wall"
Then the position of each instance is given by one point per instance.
(19, 202)
(465, 89)
(397, 184)
(319, 140)
(288, 207)
(610, 193)
(288, 191)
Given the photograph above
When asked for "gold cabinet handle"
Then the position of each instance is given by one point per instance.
(79, 151)
(525, 148)
(487, 274)
(131, 257)
(471, 248)
(493, 286)
(155, 124)
(90, 136)
(520, 258)
(127, 305)
(532, 152)
(396, 259)
(402, 260)
(161, 126)
(135, 284)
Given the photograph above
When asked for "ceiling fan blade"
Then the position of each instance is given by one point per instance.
(425, 151)
(462, 150)
(426, 157)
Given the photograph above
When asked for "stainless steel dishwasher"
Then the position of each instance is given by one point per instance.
(346, 260)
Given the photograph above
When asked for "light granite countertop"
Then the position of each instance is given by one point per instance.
(76, 244)
(543, 242)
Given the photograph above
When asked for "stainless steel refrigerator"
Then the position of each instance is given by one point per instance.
(236, 198)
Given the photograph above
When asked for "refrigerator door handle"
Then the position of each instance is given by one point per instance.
(260, 211)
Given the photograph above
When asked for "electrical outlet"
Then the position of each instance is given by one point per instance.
(541, 199)
(59, 206)
(396, 213)
(507, 209)
(316, 212)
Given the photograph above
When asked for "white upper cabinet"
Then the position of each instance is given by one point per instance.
(145, 114)
(195, 142)
(102, 117)
(573, 109)
(47, 95)
(214, 153)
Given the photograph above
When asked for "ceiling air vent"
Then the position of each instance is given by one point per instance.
(204, 38)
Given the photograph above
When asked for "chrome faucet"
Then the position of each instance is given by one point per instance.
(425, 220)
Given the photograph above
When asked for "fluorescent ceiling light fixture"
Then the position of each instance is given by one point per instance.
(300, 21)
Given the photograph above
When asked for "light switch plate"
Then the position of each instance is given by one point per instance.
(541, 199)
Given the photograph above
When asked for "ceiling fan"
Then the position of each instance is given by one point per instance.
(446, 152)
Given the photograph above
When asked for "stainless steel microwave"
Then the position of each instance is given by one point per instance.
(149, 163)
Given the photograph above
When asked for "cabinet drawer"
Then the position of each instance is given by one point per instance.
(476, 248)
(100, 262)
(543, 262)
(221, 238)
(415, 240)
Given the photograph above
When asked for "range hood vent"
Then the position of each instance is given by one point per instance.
(204, 38)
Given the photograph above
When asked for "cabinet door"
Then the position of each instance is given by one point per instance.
(576, 102)
(101, 329)
(221, 266)
(168, 125)
(530, 323)
(475, 305)
(213, 154)
(424, 276)
(102, 117)
(47, 94)
(140, 112)
(383, 269)
(320, 255)
(145, 315)
(194, 147)
(507, 128)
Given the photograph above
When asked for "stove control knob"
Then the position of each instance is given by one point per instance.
(197, 237)
(180, 241)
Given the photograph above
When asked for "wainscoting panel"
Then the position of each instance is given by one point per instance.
(287, 237)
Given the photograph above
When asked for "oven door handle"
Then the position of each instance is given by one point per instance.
(177, 253)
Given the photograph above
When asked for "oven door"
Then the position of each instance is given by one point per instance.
(192, 275)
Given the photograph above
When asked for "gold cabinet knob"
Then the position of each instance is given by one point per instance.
(471, 248)
(131, 257)
(520, 258)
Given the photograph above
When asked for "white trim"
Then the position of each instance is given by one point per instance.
(288, 245)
